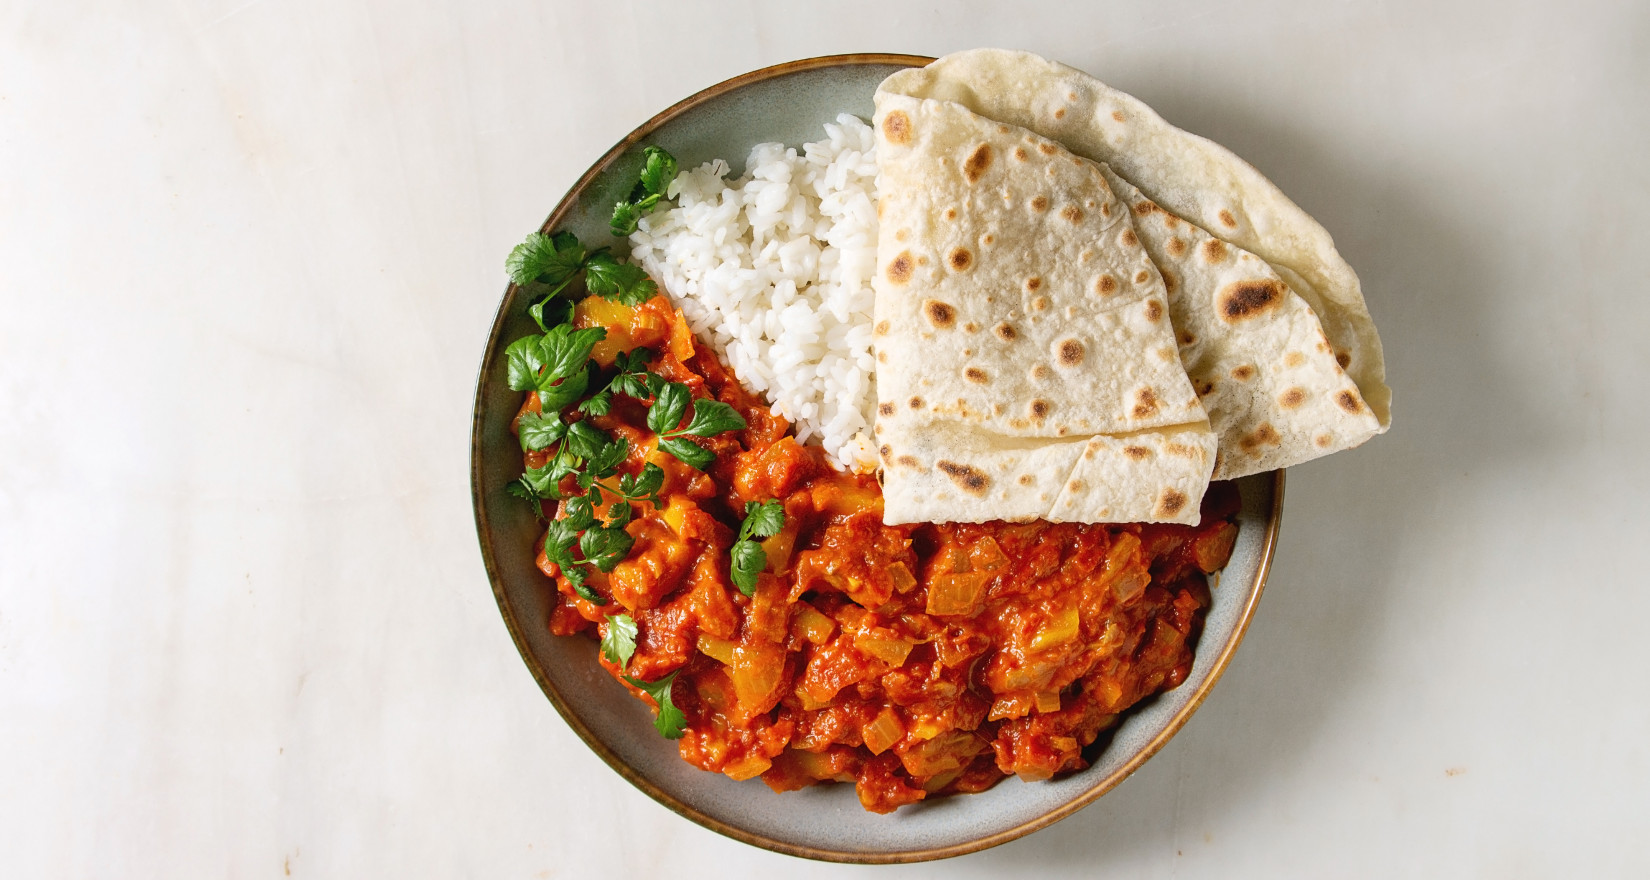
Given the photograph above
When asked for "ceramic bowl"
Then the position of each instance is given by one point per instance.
(788, 103)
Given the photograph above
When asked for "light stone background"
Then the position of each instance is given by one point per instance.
(249, 253)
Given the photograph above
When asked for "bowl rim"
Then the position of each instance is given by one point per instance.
(630, 774)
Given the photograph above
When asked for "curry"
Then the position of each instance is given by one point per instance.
(909, 660)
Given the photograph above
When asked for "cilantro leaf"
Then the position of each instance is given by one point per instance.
(689, 452)
(645, 484)
(523, 359)
(566, 350)
(605, 548)
(619, 514)
(550, 259)
(626, 217)
(577, 514)
(763, 520)
(712, 417)
(748, 561)
(586, 440)
(555, 397)
(540, 481)
(658, 169)
(538, 431)
(625, 283)
(668, 407)
(670, 722)
(606, 459)
(550, 312)
(619, 642)
(598, 404)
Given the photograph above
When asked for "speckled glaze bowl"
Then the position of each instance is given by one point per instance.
(788, 103)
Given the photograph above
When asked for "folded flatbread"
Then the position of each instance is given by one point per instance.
(1274, 333)
(1027, 365)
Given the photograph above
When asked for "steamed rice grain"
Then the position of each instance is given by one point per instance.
(773, 270)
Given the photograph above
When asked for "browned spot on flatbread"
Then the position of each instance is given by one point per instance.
(1117, 115)
(976, 375)
(1071, 352)
(1186, 337)
(909, 461)
(1033, 283)
(1128, 238)
(900, 269)
(1214, 250)
(1142, 277)
(1242, 300)
(1046, 148)
(968, 479)
(1243, 372)
(1183, 450)
(886, 409)
(902, 235)
(881, 329)
(971, 327)
(1138, 453)
(1263, 435)
(1204, 389)
(950, 213)
(1039, 304)
(1060, 113)
(882, 357)
(961, 259)
(1144, 208)
(1344, 359)
(1025, 480)
(1169, 281)
(887, 452)
(1294, 359)
(1039, 408)
(977, 163)
(1349, 401)
(1039, 372)
(1020, 153)
(987, 240)
(1292, 398)
(1072, 213)
(896, 127)
(1170, 503)
(1006, 332)
(915, 403)
(1145, 403)
(1039, 204)
(1226, 219)
(1105, 285)
(1176, 247)
(1323, 441)
(1154, 310)
(938, 313)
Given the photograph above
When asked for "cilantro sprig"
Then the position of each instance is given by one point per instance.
(705, 418)
(670, 722)
(762, 520)
(658, 170)
(550, 263)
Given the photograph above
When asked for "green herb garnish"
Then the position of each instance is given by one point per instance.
(619, 642)
(709, 418)
(762, 520)
(670, 722)
(658, 170)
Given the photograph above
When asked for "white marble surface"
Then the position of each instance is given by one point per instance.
(249, 252)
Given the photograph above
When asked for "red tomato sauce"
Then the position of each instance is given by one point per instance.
(911, 660)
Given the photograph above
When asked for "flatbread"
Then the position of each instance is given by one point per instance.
(1253, 349)
(1027, 367)
(1198, 181)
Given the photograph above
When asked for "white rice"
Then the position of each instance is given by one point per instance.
(774, 269)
